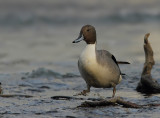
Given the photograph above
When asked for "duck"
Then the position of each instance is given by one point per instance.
(99, 68)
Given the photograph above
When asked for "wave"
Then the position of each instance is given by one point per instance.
(42, 73)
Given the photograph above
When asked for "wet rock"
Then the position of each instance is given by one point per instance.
(148, 85)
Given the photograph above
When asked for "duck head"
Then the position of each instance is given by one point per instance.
(88, 34)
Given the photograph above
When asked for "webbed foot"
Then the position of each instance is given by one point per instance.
(84, 93)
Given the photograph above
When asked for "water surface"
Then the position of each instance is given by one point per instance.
(37, 56)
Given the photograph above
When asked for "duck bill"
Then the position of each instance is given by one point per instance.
(80, 38)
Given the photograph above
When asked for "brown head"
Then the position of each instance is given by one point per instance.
(88, 34)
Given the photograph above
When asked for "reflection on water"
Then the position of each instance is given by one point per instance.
(38, 35)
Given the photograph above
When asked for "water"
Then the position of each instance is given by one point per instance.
(37, 57)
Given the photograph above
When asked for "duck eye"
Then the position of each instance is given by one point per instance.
(87, 30)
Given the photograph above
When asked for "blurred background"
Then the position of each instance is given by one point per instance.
(39, 33)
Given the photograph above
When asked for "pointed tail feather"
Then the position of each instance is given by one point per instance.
(123, 62)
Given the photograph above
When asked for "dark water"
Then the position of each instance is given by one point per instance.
(38, 59)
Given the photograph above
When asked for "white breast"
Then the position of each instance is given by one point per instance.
(88, 55)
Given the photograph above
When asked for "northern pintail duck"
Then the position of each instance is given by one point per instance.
(99, 68)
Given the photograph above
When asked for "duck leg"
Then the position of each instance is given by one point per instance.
(84, 92)
(114, 91)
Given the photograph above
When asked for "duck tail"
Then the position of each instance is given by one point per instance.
(123, 62)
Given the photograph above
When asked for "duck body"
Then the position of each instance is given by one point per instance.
(98, 68)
